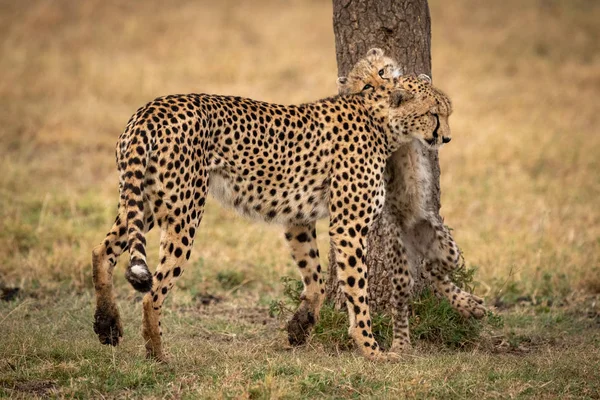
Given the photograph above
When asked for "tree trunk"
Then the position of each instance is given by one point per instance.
(402, 28)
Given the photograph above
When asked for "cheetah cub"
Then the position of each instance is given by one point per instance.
(285, 164)
(368, 73)
(408, 186)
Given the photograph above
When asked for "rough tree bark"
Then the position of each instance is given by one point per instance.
(402, 28)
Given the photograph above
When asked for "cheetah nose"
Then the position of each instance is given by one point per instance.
(446, 139)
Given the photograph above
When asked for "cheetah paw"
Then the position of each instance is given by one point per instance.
(471, 306)
(159, 357)
(107, 325)
(401, 348)
(300, 326)
(389, 356)
(380, 356)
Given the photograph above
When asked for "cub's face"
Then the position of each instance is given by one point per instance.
(419, 110)
(369, 73)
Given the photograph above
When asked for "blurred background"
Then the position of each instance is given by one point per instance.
(520, 180)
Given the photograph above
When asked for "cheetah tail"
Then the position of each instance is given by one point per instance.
(133, 172)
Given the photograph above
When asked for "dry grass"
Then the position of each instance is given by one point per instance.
(520, 188)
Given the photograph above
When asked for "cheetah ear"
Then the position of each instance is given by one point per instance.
(342, 81)
(425, 78)
(375, 52)
(398, 97)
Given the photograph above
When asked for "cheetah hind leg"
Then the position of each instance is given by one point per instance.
(444, 258)
(303, 245)
(137, 274)
(176, 242)
(107, 322)
(467, 304)
(402, 290)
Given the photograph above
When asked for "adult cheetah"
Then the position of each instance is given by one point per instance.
(408, 186)
(286, 164)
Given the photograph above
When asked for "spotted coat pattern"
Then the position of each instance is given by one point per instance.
(285, 164)
(410, 223)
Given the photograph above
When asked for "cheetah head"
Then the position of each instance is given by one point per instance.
(418, 110)
(369, 73)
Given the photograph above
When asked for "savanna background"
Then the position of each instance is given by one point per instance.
(520, 187)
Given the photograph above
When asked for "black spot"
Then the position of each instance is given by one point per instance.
(303, 237)
(352, 261)
(140, 248)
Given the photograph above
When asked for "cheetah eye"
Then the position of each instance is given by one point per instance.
(367, 87)
(381, 71)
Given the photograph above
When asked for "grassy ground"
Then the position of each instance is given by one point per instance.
(520, 188)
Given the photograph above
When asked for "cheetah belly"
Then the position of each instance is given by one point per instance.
(412, 184)
(257, 202)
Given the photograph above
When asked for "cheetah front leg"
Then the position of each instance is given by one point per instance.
(303, 244)
(348, 229)
(352, 276)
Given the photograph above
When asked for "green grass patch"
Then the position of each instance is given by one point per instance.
(433, 319)
(230, 279)
(549, 290)
(219, 352)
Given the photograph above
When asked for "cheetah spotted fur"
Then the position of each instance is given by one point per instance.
(411, 222)
(285, 164)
